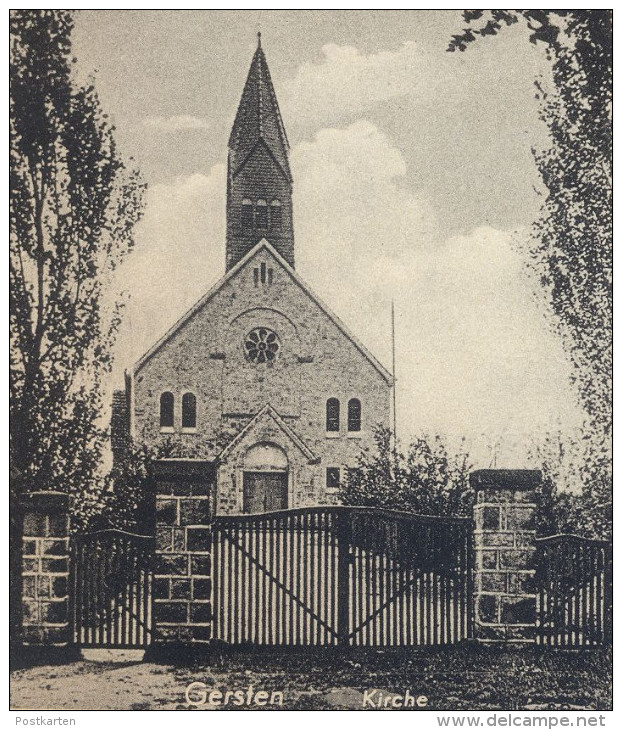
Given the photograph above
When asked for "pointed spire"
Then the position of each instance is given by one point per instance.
(258, 117)
(259, 180)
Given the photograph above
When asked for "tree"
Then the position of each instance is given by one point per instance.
(73, 207)
(571, 245)
(424, 480)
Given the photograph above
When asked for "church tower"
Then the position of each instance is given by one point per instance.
(259, 181)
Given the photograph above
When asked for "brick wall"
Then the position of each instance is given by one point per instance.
(505, 599)
(45, 569)
(182, 607)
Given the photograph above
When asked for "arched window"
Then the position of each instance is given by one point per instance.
(247, 213)
(275, 215)
(332, 415)
(189, 410)
(354, 414)
(167, 410)
(261, 214)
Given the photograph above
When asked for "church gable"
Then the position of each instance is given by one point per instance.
(262, 290)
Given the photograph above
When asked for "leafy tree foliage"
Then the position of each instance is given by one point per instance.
(561, 508)
(426, 479)
(73, 207)
(571, 247)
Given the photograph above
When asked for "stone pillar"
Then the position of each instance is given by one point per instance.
(504, 586)
(45, 569)
(182, 590)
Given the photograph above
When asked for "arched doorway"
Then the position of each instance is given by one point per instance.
(265, 479)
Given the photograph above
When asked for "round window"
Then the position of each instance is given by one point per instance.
(261, 345)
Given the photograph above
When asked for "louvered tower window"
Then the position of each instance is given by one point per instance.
(261, 214)
(247, 213)
(275, 215)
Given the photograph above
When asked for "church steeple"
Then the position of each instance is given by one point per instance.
(259, 181)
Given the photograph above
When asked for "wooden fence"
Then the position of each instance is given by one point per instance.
(341, 576)
(111, 589)
(574, 577)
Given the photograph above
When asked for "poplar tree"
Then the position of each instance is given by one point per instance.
(73, 207)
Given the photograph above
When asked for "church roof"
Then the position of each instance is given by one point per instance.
(258, 119)
(263, 244)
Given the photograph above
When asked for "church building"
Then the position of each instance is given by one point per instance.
(260, 377)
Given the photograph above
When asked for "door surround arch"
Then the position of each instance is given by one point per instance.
(265, 478)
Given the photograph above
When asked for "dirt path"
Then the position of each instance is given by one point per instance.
(472, 679)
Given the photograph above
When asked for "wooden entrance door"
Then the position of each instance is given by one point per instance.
(264, 491)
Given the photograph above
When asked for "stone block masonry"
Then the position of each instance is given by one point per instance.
(182, 590)
(505, 594)
(45, 569)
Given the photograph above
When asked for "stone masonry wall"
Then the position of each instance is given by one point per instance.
(316, 362)
(182, 606)
(45, 569)
(505, 599)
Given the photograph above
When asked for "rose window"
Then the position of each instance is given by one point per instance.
(261, 345)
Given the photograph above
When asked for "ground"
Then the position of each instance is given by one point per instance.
(480, 678)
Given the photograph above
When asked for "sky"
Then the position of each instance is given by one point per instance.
(413, 181)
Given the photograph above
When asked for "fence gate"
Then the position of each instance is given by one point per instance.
(111, 589)
(574, 578)
(341, 576)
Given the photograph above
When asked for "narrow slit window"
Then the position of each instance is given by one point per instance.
(247, 213)
(332, 415)
(263, 273)
(256, 276)
(261, 214)
(275, 215)
(167, 408)
(354, 415)
(270, 276)
(189, 411)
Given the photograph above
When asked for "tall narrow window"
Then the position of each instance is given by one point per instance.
(261, 214)
(189, 411)
(167, 408)
(275, 215)
(332, 415)
(247, 213)
(354, 414)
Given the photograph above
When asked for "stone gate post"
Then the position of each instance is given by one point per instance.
(182, 590)
(45, 569)
(504, 585)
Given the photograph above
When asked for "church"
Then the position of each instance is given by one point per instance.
(259, 377)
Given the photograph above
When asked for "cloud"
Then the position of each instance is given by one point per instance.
(473, 354)
(348, 82)
(179, 254)
(179, 123)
